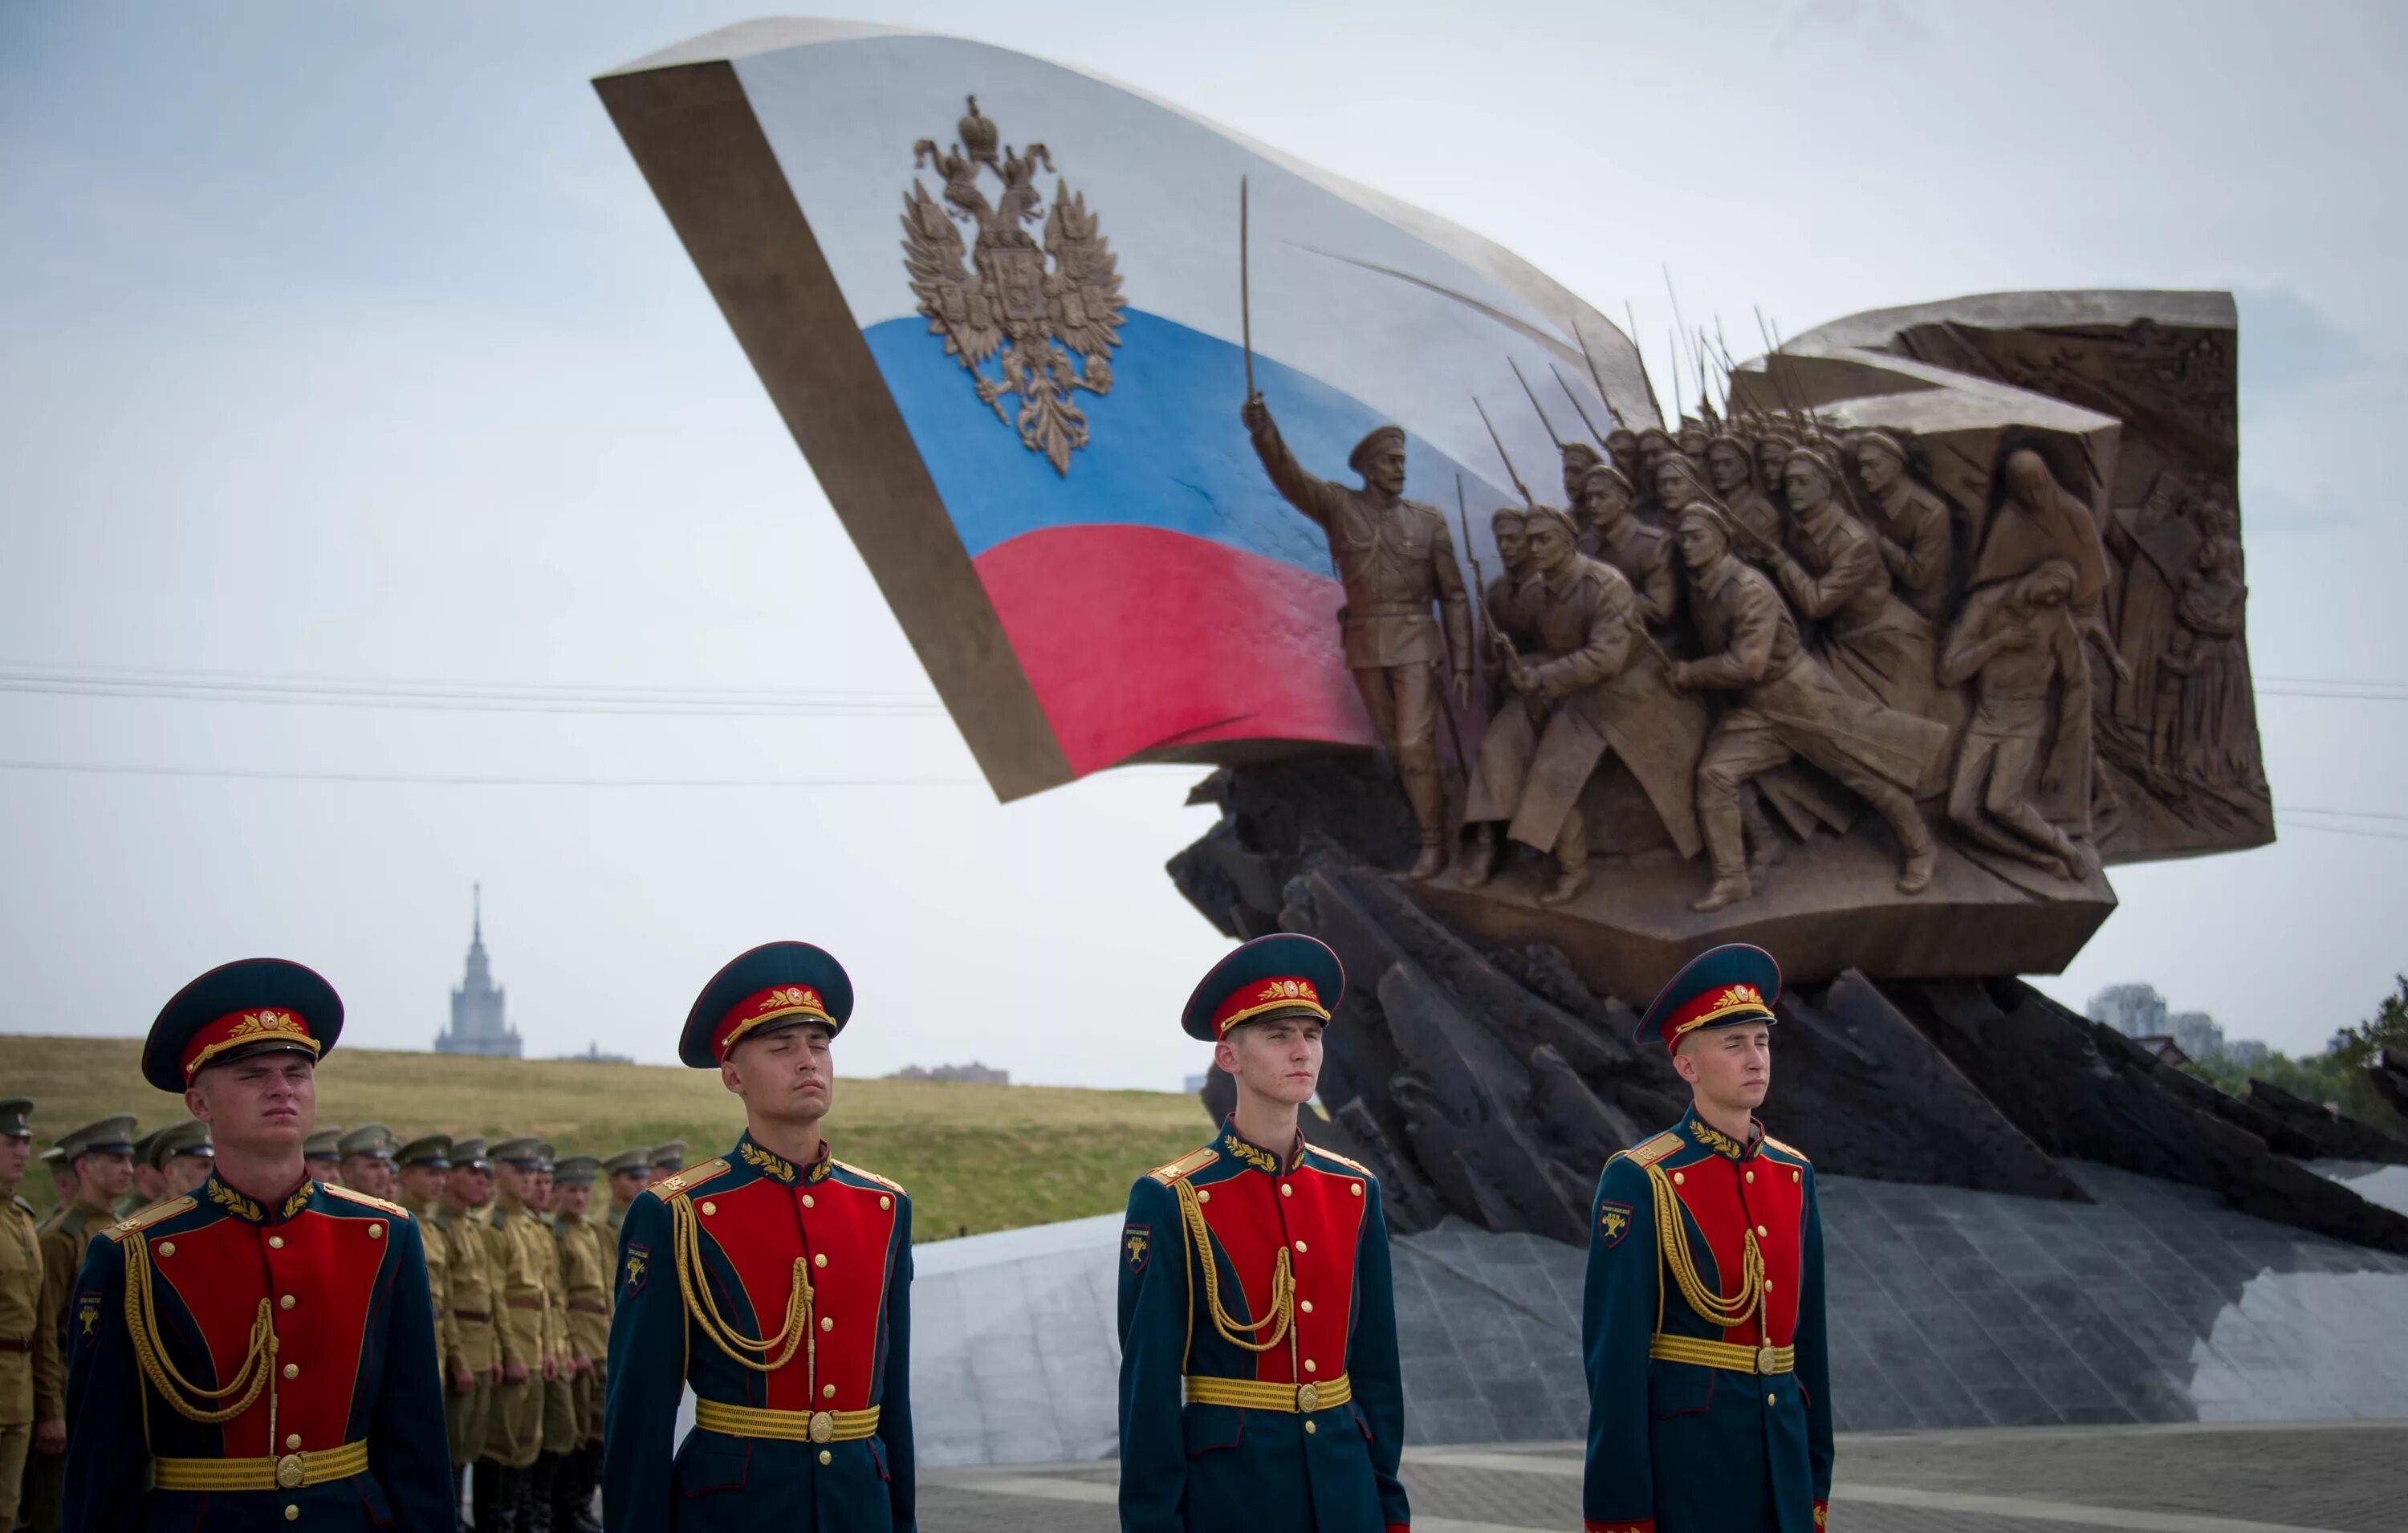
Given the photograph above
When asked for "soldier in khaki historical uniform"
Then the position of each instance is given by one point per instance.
(322, 1153)
(473, 1277)
(630, 1172)
(523, 1252)
(1395, 559)
(588, 1259)
(146, 1180)
(668, 1160)
(560, 1387)
(33, 1378)
(184, 1156)
(419, 1172)
(101, 1155)
(364, 1160)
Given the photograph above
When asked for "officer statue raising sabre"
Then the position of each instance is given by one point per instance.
(261, 1352)
(1394, 558)
(1260, 1390)
(776, 1282)
(1709, 1373)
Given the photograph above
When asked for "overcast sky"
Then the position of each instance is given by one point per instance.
(345, 340)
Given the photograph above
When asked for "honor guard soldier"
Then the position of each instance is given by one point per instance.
(259, 1354)
(776, 1282)
(630, 1172)
(486, 1350)
(668, 1160)
(1708, 1377)
(33, 1379)
(183, 1156)
(99, 1161)
(1259, 1387)
(523, 1251)
(587, 1261)
(322, 1152)
(364, 1160)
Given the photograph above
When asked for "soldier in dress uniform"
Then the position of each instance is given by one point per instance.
(100, 1158)
(261, 1354)
(474, 1278)
(630, 1172)
(421, 1169)
(184, 1156)
(1394, 558)
(33, 1379)
(365, 1160)
(587, 1261)
(1259, 1384)
(775, 1281)
(523, 1251)
(1709, 1378)
(667, 1161)
(324, 1154)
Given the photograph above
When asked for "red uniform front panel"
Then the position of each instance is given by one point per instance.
(1727, 1198)
(317, 1274)
(1318, 1216)
(843, 1233)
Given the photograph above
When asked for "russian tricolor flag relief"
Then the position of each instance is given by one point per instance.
(997, 302)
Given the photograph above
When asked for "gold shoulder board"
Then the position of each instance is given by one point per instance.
(693, 1176)
(1342, 1160)
(1185, 1166)
(349, 1196)
(148, 1217)
(1772, 1143)
(890, 1185)
(1655, 1149)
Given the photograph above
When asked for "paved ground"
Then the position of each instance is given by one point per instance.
(2317, 1478)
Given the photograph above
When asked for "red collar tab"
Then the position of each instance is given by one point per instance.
(240, 1029)
(775, 1003)
(1263, 996)
(1728, 1004)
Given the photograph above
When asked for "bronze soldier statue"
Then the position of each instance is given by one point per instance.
(1395, 559)
(2014, 638)
(1911, 522)
(1506, 747)
(1875, 645)
(1579, 458)
(1642, 553)
(1787, 705)
(1598, 686)
(1731, 468)
(1622, 446)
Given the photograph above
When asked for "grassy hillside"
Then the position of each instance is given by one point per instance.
(975, 1158)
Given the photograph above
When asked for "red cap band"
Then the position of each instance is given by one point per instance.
(237, 1029)
(1253, 1000)
(1713, 1006)
(770, 1005)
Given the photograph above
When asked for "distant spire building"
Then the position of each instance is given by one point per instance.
(478, 1026)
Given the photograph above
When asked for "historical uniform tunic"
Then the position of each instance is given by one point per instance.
(1702, 1328)
(585, 1268)
(781, 1294)
(237, 1365)
(1259, 1384)
(33, 1379)
(472, 1291)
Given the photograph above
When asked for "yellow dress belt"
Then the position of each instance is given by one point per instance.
(1722, 1354)
(1259, 1395)
(289, 1472)
(749, 1421)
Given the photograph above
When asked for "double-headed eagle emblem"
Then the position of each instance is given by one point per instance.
(1051, 332)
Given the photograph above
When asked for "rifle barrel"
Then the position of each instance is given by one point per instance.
(1578, 408)
(1533, 397)
(1503, 456)
(1245, 294)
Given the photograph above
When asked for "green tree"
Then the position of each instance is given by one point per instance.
(2336, 1076)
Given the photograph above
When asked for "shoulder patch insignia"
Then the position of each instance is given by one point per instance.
(1342, 1160)
(1612, 1224)
(1137, 1244)
(148, 1217)
(873, 1176)
(689, 1179)
(348, 1196)
(1185, 1166)
(1772, 1143)
(1655, 1149)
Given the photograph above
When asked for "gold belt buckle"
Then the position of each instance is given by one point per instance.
(1308, 1397)
(1764, 1360)
(291, 1471)
(822, 1427)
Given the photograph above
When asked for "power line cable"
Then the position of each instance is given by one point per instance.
(439, 779)
(197, 686)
